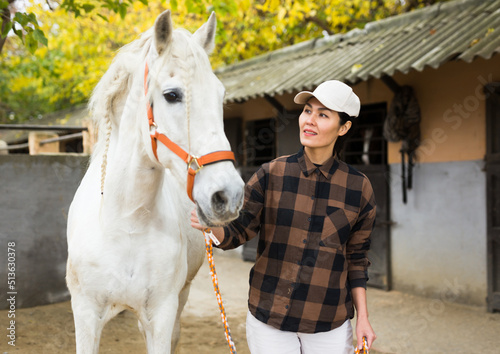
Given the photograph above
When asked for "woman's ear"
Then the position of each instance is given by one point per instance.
(345, 128)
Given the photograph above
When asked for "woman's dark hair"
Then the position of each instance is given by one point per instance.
(339, 144)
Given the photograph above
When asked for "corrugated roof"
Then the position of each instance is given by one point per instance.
(457, 30)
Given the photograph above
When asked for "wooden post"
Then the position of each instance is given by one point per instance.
(3, 145)
(34, 139)
(89, 136)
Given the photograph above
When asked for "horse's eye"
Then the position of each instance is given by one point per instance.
(172, 96)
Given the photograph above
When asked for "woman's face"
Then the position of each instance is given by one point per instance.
(320, 126)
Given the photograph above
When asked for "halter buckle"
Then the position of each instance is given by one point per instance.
(194, 160)
(152, 128)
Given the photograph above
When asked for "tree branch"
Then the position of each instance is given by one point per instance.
(323, 24)
(5, 16)
(49, 5)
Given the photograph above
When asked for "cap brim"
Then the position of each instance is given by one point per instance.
(303, 97)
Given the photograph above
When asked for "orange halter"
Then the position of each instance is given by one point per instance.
(194, 164)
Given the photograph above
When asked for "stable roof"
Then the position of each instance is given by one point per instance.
(429, 37)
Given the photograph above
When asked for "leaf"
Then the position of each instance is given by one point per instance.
(69, 5)
(356, 67)
(39, 36)
(31, 42)
(19, 33)
(103, 17)
(6, 30)
(122, 10)
(88, 7)
(21, 18)
(32, 18)
(3, 4)
(474, 42)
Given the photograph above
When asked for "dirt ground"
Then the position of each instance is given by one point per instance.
(50, 329)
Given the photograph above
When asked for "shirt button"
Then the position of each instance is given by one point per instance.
(308, 219)
(312, 196)
(286, 307)
(304, 241)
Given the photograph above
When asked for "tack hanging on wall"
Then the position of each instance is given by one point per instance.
(403, 124)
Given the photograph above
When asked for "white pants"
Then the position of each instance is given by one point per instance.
(264, 339)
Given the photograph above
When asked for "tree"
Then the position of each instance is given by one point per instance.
(25, 24)
(63, 73)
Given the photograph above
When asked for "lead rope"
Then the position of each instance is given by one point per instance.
(365, 348)
(209, 237)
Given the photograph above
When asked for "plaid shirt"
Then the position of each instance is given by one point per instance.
(315, 225)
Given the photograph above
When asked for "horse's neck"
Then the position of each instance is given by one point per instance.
(134, 184)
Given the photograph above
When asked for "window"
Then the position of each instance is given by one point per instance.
(260, 141)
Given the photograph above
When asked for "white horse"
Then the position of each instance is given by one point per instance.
(130, 243)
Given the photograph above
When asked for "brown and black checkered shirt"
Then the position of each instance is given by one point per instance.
(315, 225)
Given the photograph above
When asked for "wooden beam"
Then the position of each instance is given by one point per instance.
(41, 127)
(275, 103)
(62, 138)
(391, 83)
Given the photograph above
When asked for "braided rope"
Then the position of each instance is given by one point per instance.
(215, 282)
(105, 155)
(187, 75)
(365, 348)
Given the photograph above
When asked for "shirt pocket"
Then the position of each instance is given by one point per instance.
(337, 226)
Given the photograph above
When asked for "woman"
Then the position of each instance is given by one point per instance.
(315, 215)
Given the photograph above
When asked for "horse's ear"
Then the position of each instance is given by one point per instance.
(205, 35)
(163, 32)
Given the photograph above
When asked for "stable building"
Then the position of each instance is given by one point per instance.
(428, 137)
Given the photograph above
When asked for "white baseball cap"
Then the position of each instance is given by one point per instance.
(334, 95)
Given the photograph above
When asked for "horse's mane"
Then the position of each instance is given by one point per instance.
(108, 97)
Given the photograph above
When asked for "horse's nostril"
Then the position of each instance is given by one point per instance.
(219, 201)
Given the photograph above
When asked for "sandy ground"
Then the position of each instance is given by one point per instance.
(404, 323)
(50, 329)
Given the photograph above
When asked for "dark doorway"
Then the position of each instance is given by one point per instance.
(493, 193)
(233, 131)
(366, 151)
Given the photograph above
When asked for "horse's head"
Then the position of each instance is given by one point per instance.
(187, 105)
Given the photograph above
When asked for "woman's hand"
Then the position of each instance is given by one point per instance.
(364, 329)
(195, 222)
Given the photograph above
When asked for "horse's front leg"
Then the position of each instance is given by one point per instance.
(158, 322)
(89, 323)
(176, 334)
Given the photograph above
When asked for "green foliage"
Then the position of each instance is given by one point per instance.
(29, 32)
